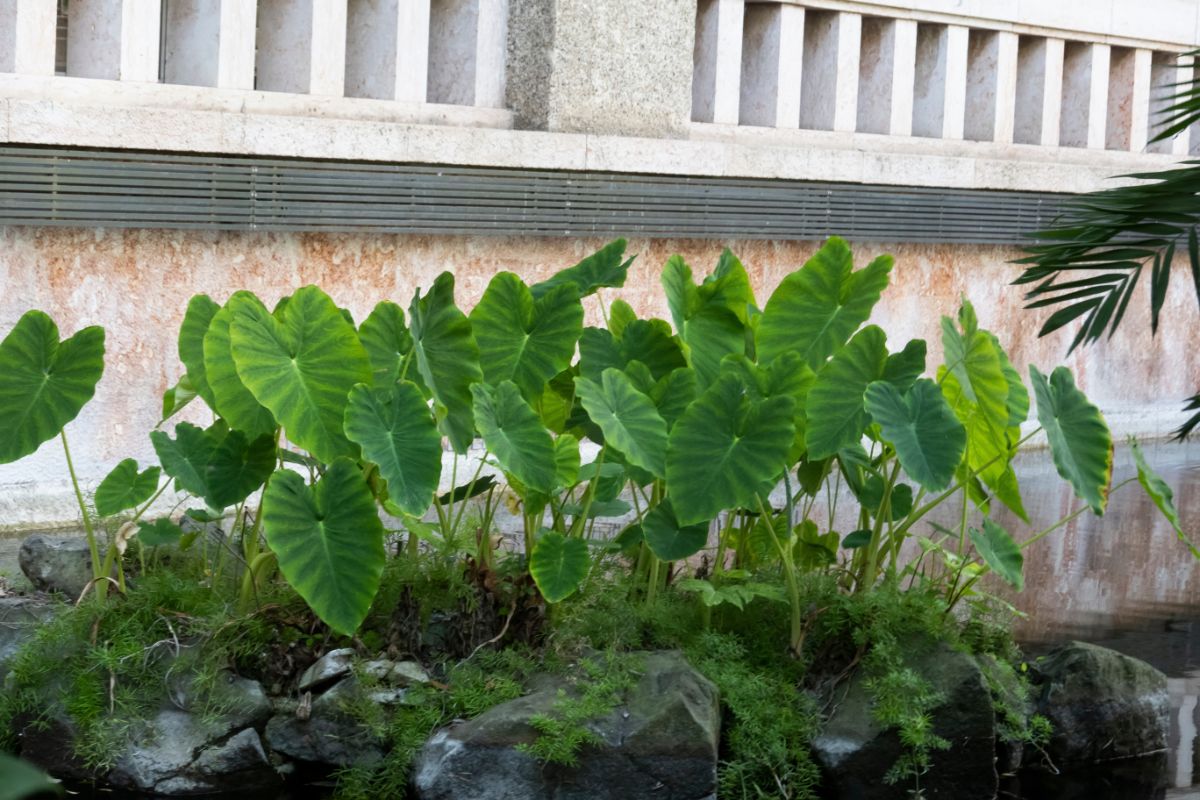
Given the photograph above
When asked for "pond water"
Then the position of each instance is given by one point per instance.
(1123, 581)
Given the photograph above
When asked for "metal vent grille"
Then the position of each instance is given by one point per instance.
(125, 189)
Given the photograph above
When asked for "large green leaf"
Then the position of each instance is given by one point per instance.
(176, 398)
(902, 368)
(817, 308)
(974, 359)
(448, 358)
(44, 383)
(328, 540)
(235, 403)
(387, 341)
(524, 340)
(515, 435)
(646, 340)
(125, 487)
(606, 267)
(709, 318)
(396, 431)
(837, 416)
(1079, 438)
(928, 438)
(558, 565)
(200, 312)
(238, 467)
(673, 393)
(303, 368)
(185, 458)
(724, 448)
(669, 540)
(628, 418)
(22, 780)
(1161, 494)
(1000, 552)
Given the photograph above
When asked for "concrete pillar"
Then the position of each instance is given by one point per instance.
(210, 43)
(991, 86)
(387, 54)
(772, 66)
(1167, 70)
(606, 67)
(114, 39)
(939, 101)
(467, 51)
(886, 74)
(1085, 95)
(27, 36)
(716, 86)
(1127, 126)
(302, 46)
(829, 87)
(1039, 91)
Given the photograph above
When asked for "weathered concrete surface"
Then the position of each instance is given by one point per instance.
(601, 66)
(137, 284)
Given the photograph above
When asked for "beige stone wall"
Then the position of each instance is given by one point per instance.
(137, 283)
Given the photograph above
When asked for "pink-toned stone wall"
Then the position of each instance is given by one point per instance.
(137, 283)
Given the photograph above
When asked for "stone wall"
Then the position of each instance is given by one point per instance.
(137, 283)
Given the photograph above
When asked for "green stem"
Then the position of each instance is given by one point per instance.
(793, 587)
(870, 573)
(101, 586)
(1045, 532)
(150, 502)
(470, 488)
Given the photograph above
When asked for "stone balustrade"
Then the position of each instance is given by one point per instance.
(449, 52)
(1058, 74)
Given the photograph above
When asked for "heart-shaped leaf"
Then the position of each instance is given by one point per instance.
(606, 267)
(235, 403)
(836, 412)
(1080, 442)
(237, 468)
(387, 341)
(669, 540)
(816, 309)
(558, 565)
(646, 340)
(185, 458)
(328, 540)
(998, 550)
(125, 487)
(396, 431)
(44, 383)
(448, 358)
(710, 317)
(524, 340)
(160, 532)
(975, 362)
(902, 368)
(514, 435)
(724, 448)
(303, 368)
(928, 438)
(627, 417)
(199, 315)
(566, 461)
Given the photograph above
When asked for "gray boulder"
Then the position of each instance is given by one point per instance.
(178, 754)
(56, 563)
(19, 619)
(855, 752)
(661, 744)
(330, 667)
(1103, 705)
(326, 737)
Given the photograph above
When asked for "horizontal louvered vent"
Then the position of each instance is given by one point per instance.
(122, 189)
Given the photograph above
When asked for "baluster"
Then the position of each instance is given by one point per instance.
(27, 36)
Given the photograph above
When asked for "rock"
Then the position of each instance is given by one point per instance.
(48, 742)
(325, 738)
(660, 744)
(855, 753)
(56, 563)
(348, 689)
(178, 754)
(327, 669)
(1102, 705)
(396, 673)
(19, 619)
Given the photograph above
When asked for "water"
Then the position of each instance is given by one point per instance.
(1123, 581)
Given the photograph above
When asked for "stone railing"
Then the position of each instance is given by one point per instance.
(313, 54)
(1054, 74)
